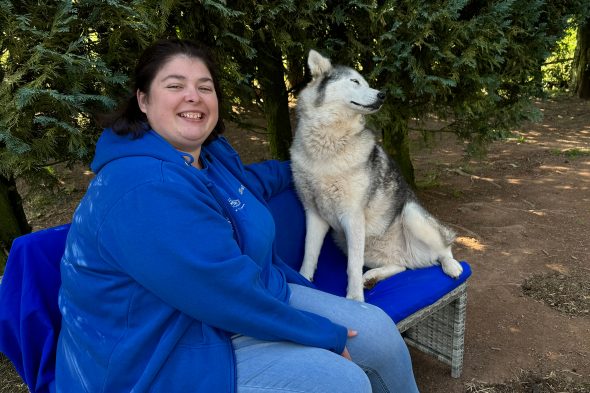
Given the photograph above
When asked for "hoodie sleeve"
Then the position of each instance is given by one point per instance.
(265, 178)
(268, 178)
(179, 246)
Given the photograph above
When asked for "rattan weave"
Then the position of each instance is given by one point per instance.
(439, 329)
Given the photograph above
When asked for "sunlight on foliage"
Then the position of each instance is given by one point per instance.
(557, 68)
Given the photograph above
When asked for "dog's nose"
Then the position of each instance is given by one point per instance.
(381, 95)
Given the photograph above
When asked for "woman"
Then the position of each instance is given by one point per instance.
(169, 279)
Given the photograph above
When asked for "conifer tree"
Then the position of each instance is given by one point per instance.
(476, 63)
(580, 80)
(60, 63)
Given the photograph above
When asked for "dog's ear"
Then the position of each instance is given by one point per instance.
(318, 64)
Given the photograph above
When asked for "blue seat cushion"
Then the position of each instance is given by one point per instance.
(399, 296)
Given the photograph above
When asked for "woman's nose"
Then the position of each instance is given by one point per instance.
(192, 95)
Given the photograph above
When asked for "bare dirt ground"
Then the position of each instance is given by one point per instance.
(523, 216)
(523, 219)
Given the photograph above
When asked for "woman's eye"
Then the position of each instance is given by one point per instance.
(206, 89)
(355, 81)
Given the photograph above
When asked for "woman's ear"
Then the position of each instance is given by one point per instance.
(142, 100)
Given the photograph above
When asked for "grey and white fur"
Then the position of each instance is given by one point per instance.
(347, 182)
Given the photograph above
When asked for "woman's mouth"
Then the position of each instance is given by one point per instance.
(191, 115)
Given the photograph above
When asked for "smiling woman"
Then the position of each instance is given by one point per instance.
(181, 104)
(172, 69)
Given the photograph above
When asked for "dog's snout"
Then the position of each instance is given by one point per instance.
(381, 95)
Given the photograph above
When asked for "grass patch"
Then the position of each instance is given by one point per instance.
(571, 153)
(519, 139)
(430, 180)
(567, 293)
(529, 382)
(10, 381)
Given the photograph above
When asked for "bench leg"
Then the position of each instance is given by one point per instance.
(439, 330)
(458, 336)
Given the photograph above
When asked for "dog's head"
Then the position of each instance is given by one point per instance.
(340, 89)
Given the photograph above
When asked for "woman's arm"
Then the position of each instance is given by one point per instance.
(176, 243)
(270, 177)
(265, 179)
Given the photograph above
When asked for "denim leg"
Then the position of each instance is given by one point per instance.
(279, 366)
(378, 348)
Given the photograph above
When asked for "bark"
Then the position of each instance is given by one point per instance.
(396, 141)
(296, 72)
(276, 102)
(12, 216)
(581, 64)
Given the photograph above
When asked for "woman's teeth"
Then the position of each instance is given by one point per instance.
(192, 115)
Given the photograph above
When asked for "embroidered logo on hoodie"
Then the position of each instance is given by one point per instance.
(236, 204)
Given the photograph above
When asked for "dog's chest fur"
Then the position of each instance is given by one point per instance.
(330, 169)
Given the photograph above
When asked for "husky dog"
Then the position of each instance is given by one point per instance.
(347, 182)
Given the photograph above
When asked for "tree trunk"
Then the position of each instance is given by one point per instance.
(12, 216)
(396, 141)
(581, 64)
(276, 102)
(296, 72)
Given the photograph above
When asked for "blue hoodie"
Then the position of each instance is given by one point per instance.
(165, 262)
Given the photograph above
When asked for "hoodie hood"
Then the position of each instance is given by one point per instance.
(111, 147)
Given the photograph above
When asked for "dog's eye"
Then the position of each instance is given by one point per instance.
(355, 81)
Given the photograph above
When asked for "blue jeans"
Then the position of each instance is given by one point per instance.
(381, 361)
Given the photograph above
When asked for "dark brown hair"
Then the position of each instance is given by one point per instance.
(130, 120)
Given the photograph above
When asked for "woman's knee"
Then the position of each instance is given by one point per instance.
(346, 376)
(327, 372)
(288, 367)
(378, 337)
(375, 321)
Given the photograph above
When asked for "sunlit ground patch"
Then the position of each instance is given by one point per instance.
(471, 243)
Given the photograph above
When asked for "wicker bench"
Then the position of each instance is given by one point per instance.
(427, 306)
(439, 329)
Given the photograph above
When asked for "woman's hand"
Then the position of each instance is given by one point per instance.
(351, 333)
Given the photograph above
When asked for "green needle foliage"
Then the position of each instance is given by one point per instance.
(57, 73)
(61, 64)
(475, 63)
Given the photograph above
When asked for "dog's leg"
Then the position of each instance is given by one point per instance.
(435, 236)
(450, 266)
(354, 230)
(373, 276)
(315, 233)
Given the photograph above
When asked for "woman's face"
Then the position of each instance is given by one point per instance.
(181, 104)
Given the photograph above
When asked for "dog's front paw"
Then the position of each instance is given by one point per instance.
(370, 279)
(308, 277)
(359, 296)
(369, 284)
(452, 268)
(355, 291)
(307, 270)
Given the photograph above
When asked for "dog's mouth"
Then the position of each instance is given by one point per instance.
(373, 106)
